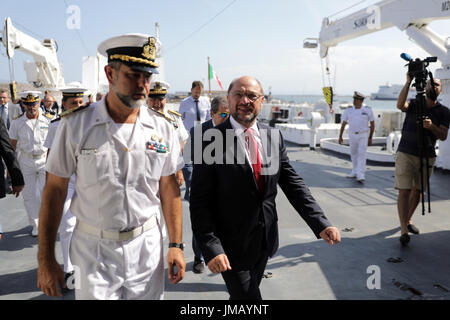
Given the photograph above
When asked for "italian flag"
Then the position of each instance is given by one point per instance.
(212, 75)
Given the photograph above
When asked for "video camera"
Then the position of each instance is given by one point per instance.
(418, 69)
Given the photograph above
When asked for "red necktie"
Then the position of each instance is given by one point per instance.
(255, 158)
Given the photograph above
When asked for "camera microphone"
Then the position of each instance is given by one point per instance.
(406, 57)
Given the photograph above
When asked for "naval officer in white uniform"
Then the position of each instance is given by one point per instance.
(72, 99)
(157, 102)
(358, 117)
(125, 158)
(27, 134)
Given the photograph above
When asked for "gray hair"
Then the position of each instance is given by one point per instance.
(217, 102)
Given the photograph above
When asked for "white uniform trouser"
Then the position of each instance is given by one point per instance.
(358, 148)
(33, 171)
(113, 270)
(66, 228)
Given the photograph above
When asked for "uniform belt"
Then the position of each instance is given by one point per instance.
(34, 156)
(360, 132)
(117, 235)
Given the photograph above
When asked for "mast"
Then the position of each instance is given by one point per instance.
(209, 82)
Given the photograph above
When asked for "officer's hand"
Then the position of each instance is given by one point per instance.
(50, 275)
(331, 235)
(180, 178)
(341, 141)
(219, 264)
(427, 123)
(17, 190)
(175, 259)
(369, 143)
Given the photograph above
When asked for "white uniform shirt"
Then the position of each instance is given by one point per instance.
(53, 126)
(30, 135)
(182, 133)
(358, 119)
(117, 186)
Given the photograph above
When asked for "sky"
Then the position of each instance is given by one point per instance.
(261, 38)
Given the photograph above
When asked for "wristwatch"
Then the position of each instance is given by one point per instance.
(177, 245)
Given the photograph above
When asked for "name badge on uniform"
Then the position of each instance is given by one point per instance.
(87, 152)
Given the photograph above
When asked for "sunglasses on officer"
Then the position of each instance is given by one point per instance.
(224, 114)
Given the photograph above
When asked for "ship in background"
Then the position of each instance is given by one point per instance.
(391, 92)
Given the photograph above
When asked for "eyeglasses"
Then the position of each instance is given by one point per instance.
(224, 114)
(250, 95)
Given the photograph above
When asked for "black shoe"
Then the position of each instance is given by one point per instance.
(199, 266)
(404, 239)
(413, 229)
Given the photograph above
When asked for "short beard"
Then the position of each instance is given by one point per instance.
(128, 100)
(244, 120)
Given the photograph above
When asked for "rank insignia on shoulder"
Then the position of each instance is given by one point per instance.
(49, 116)
(162, 114)
(17, 117)
(70, 111)
(156, 146)
(175, 113)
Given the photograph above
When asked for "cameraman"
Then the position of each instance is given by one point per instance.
(407, 164)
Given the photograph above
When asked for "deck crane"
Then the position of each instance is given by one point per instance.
(411, 16)
(45, 71)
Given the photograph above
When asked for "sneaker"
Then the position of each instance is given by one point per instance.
(413, 229)
(34, 232)
(199, 266)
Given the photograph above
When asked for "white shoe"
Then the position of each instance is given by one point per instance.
(351, 175)
(34, 232)
(361, 179)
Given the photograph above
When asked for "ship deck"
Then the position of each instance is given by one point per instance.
(369, 263)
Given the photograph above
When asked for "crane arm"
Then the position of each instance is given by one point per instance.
(46, 69)
(405, 14)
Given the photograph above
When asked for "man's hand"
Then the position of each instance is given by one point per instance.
(180, 178)
(427, 123)
(50, 275)
(17, 190)
(219, 264)
(369, 143)
(331, 235)
(341, 141)
(175, 259)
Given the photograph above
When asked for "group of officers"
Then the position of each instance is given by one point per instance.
(107, 177)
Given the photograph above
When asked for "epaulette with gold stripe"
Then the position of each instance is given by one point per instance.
(70, 111)
(49, 116)
(17, 117)
(175, 113)
(162, 114)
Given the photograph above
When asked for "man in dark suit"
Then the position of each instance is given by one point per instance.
(233, 194)
(219, 113)
(9, 157)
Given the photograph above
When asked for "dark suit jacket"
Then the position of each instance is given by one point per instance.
(228, 213)
(204, 126)
(9, 157)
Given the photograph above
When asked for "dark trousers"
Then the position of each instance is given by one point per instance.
(244, 284)
(187, 174)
